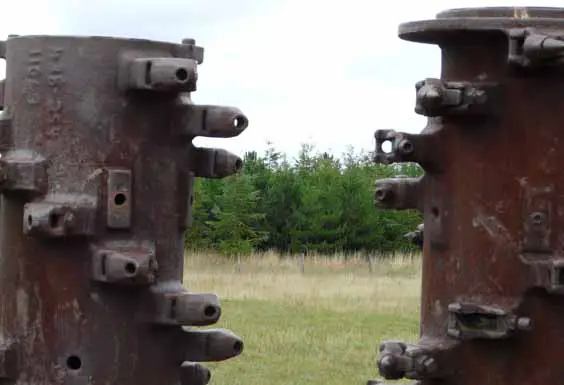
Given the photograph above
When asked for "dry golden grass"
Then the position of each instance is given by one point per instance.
(322, 326)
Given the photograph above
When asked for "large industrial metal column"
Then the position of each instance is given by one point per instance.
(96, 179)
(492, 306)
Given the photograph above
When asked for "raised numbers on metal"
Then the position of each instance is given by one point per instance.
(119, 199)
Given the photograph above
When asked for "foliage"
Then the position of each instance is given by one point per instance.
(316, 203)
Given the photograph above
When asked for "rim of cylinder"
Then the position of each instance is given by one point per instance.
(480, 19)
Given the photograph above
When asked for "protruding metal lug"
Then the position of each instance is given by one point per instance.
(189, 50)
(416, 237)
(183, 308)
(399, 360)
(191, 120)
(60, 216)
(436, 97)
(125, 265)
(470, 321)
(158, 74)
(399, 193)
(23, 172)
(214, 163)
(193, 373)
(209, 345)
(419, 148)
(530, 48)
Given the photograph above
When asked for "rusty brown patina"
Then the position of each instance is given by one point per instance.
(492, 198)
(96, 175)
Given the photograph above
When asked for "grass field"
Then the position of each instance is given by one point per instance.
(322, 327)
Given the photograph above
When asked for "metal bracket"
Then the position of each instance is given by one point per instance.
(423, 148)
(173, 305)
(119, 199)
(399, 193)
(164, 74)
(213, 163)
(194, 373)
(400, 360)
(126, 264)
(61, 216)
(537, 211)
(531, 48)
(436, 97)
(23, 172)
(471, 321)
(189, 121)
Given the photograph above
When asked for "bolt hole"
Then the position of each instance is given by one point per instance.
(406, 146)
(210, 311)
(74, 362)
(386, 146)
(55, 220)
(240, 122)
(120, 199)
(130, 268)
(380, 194)
(435, 212)
(29, 220)
(181, 74)
(238, 347)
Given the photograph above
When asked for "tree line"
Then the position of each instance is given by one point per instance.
(316, 202)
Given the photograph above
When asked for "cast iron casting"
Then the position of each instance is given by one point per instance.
(96, 179)
(492, 197)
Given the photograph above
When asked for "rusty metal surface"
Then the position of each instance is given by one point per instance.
(492, 198)
(96, 178)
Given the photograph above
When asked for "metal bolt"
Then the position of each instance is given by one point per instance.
(524, 323)
(429, 365)
(430, 96)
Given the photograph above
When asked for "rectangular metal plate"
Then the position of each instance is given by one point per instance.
(119, 199)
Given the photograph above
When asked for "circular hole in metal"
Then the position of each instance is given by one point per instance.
(238, 347)
(240, 122)
(380, 194)
(386, 146)
(210, 311)
(181, 74)
(130, 268)
(74, 362)
(406, 146)
(120, 199)
(55, 220)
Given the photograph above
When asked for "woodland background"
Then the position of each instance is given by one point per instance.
(317, 203)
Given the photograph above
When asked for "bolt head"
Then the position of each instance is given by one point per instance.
(524, 323)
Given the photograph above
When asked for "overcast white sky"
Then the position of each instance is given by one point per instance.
(317, 71)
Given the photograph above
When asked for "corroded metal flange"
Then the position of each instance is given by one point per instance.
(487, 19)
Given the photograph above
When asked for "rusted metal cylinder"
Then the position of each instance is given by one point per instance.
(492, 198)
(96, 178)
